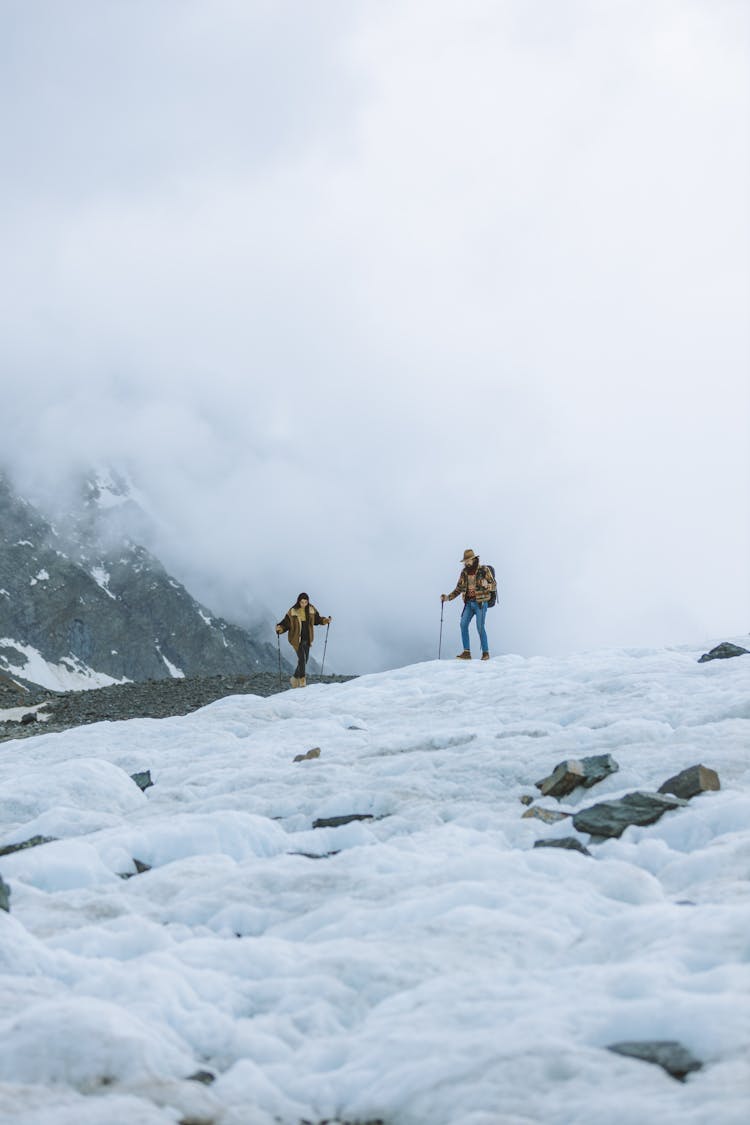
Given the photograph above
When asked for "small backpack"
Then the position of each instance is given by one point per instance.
(493, 595)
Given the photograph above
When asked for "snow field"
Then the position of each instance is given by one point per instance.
(429, 965)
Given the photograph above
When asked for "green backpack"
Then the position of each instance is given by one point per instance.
(493, 595)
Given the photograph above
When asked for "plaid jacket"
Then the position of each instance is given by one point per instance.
(484, 582)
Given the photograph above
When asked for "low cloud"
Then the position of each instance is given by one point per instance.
(348, 296)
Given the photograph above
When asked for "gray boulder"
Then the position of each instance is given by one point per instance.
(611, 818)
(688, 783)
(725, 651)
(568, 775)
(4, 896)
(666, 1053)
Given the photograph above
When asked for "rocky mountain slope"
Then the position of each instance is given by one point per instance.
(87, 606)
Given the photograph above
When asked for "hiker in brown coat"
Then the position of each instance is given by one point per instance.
(299, 622)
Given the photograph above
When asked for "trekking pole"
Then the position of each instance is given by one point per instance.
(440, 642)
(325, 646)
(278, 643)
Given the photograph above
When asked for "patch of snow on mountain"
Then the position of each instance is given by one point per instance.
(102, 577)
(175, 672)
(70, 674)
(424, 965)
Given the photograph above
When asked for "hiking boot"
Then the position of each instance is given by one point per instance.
(465, 655)
(294, 681)
(485, 656)
(302, 682)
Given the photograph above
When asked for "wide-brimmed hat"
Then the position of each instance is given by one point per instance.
(469, 556)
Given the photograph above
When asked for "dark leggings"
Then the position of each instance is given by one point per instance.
(302, 653)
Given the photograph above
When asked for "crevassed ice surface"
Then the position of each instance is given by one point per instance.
(429, 967)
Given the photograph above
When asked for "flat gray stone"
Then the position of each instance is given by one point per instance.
(142, 779)
(570, 843)
(666, 1053)
(725, 651)
(611, 818)
(690, 782)
(549, 816)
(338, 821)
(4, 896)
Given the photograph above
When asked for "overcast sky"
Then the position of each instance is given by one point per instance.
(353, 286)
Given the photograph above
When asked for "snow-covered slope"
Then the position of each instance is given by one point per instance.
(425, 966)
(88, 606)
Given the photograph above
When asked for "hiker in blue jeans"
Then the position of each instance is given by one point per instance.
(478, 586)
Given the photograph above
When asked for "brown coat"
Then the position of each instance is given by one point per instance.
(292, 624)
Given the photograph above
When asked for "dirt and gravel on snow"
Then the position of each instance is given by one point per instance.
(156, 699)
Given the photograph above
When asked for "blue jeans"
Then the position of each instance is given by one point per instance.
(474, 609)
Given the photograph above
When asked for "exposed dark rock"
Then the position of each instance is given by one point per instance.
(142, 779)
(549, 816)
(4, 896)
(32, 842)
(666, 1053)
(316, 855)
(611, 818)
(314, 753)
(568, 842)
(139, 870)
(725, 651)
(526, 799)
(342, 1121)
(29, 717)
(568, 775)
(688, 783)
(338, 821)
(203, 1076)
